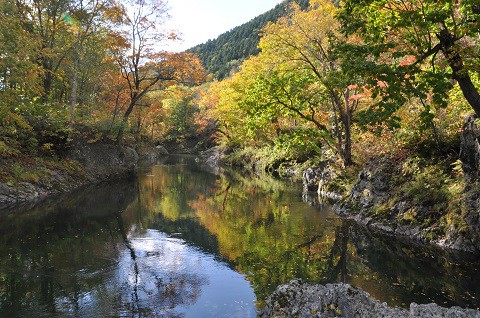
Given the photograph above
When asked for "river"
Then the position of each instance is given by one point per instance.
(179, 241)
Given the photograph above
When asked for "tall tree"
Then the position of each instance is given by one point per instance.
(303, 38)
(413, 48)
(19, 72)
(145, 67)
(47, 24)
(297, 75)
(86, 19)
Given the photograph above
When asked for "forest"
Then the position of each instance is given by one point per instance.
(342, 84)
(223, 55)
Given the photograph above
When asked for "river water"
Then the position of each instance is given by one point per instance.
(178, 241)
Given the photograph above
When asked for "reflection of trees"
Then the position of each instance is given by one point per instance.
(71, 260)
(270, 238)
(128, 245)
(338, 272)
(416, 273)
(263, 229)
(160, 205)
(168, 190)
(41, 258)
(273, 242)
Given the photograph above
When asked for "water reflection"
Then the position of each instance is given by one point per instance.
(180, 242)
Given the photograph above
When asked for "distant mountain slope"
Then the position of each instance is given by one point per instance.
(221, 55)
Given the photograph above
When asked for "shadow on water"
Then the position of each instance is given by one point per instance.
(178, 241)
(45, 249)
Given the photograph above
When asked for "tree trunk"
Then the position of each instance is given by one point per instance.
(470, 92)
(47, 85)
(139, 126)
(347, 149)
(73, 102)
(347, 127)
(121, 130)
(338, 133)
(124, 121)
(115, 111)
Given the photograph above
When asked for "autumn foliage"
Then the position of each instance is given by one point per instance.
(69, 66)
(345, 81)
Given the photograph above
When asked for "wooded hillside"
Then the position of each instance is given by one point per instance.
(230, 49)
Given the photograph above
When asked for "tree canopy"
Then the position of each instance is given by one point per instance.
(414, 48)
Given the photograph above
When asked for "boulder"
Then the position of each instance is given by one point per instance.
(102, 161)
(150, 153)
(297, 299)
(470, 148)
(18, 193)
(321, 180)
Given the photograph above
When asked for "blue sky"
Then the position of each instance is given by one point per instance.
(200, 20)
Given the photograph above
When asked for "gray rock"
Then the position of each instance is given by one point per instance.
(318, 180)
(382, 227)
(470, 148)
(310, 179)
(435, 311)
(100, 161)
(211, 157)
(342, 300)
(104, 161)
(161, 150)
(18, 193)
(149, 152)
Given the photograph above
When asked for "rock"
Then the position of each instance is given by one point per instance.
(382, 227)
(434, 311)
(211, 157)
(373, 182)
(342, 300)
(310, 179)
(371, 188)
(102, 161)
(162, 150)
(19, 193)
(320, 179)
(372, 191)
(149, 152)
(470, 148)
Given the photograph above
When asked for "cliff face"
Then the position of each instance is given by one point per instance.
(93, 163)
(375, 202)
(417, 204)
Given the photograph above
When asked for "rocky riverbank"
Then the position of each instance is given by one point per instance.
(420, 199)
(429, 198)
(297, 299)
(423, 214)
(35, 178)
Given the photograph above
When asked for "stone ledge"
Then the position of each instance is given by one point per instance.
(297, 299)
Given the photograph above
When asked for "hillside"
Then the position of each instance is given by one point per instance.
(221, 55)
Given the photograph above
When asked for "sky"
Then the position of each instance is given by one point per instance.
(200, 20)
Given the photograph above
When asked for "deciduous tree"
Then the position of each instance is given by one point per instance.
(146, 67)
(413, 48)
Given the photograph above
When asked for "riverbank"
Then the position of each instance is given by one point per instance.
(297, 299)
(431, 199)
(28, 178)
(428, 194)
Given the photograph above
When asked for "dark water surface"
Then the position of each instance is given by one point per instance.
(177, 241)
